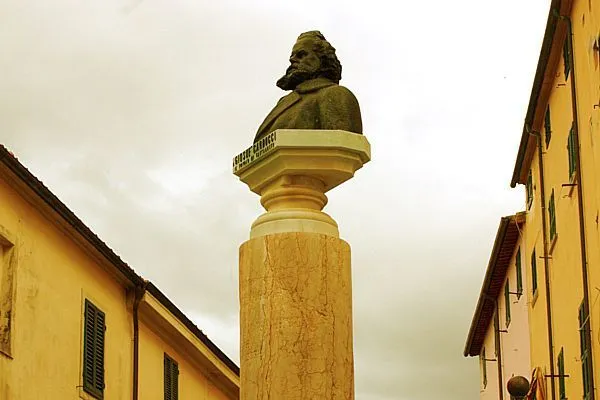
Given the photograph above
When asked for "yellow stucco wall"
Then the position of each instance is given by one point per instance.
(53, 276)
(193, 384)
(565, 265)
(532, 239)
(586, 26)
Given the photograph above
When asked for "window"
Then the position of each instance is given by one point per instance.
(8, 267)
(572, 150)
(547, 126)
(552, 215)
(93, 350)
(562, 393)
(507, 302)
(483, 362)
(584, 343)
(566, 57)
(533, 272)
(496, 337)
(529, 189)
(171, 379)
(519, 274)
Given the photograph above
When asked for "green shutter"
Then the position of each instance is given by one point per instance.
(496, 337)
(529, 189)
(171, 378)
(93, 350)
(533, 272)
(566, 57)
(507, 302)
(586, 366)
(572, 151)
(562, 392)
(548, 126)
(552, 215)
(519, 273)
(483, 367)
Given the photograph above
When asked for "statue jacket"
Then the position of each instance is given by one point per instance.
(315, 104)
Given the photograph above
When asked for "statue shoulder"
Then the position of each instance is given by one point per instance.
(339, 93)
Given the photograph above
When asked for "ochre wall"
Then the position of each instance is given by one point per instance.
(564, 262)
(193, 384)
(53, 277)
(586, 27)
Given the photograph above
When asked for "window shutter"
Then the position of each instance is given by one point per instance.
(533, 272)
(167, 378)
(548, 126)
(552, 215)
(572, 150)
(507, 302)
(519, 273)
(562, 392)
(93, 350)
(566, 57)
(175, 381)
(171, 378)
(584, 326)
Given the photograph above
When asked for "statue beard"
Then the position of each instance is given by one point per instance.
(295, 76)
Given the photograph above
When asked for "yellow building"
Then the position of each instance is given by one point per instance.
(558, 161)
(78, 322)
(499, 332)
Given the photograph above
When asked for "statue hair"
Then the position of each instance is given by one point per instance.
(331, 68)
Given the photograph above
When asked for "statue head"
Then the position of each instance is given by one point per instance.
(312, 57)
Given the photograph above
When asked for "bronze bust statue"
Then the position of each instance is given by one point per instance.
(316, 100)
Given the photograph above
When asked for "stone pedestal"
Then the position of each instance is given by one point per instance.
(295, 279)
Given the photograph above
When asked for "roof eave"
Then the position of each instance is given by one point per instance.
(522, 162)
(484, 295)
(504, 221)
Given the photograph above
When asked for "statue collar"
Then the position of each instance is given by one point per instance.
(313, 85)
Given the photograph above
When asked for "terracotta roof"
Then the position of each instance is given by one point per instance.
(502, 252)
(8, 159)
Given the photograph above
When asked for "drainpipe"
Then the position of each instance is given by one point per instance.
(497, 345)
(546, 262)
(578, 172)
(138, 294)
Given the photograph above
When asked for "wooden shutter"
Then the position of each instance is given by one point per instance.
(562, 392)
(548, 126)
(552, 215)
(572, 150)
(507, 302)
(533, 272)
(566, 56)
(584, 326)
(93, 350)
(519, 273)
(171, 378)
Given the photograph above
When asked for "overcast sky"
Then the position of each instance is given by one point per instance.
(132, 110)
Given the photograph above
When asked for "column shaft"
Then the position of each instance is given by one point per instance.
(296, 318)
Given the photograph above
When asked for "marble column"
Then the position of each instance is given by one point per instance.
(295, 278)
